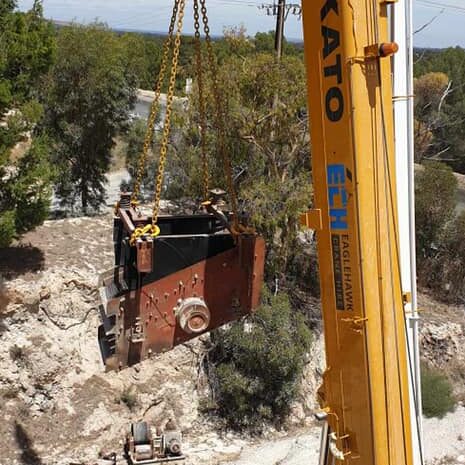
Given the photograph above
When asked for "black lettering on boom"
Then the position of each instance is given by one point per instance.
(332, 67)
(334, 98)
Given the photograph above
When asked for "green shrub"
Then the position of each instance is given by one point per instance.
(435, 190)
(16, 353)
(258, 363)
(129, 398)
(7, 227)
(436, 391)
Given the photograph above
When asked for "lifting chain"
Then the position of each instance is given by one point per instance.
(155, 106)
(219, 107)
(167, 123)
(177, 21)
(202, 115)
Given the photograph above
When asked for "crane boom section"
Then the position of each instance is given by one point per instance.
(365, 387)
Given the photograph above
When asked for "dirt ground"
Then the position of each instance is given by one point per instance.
(59, 407)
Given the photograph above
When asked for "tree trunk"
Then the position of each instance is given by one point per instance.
(84, 197)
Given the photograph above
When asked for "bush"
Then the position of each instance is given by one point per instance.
(16, 353)
(436, 391)
(435, 200)
(129, 398)
(25, 195)
(435, 190)
(7, 227)
(258, 363)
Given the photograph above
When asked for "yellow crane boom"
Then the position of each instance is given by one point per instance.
(365, 395)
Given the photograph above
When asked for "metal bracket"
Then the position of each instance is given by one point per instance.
(312, 219)
(144, 255)
(137, 332)
(337, 453)
(358, 324)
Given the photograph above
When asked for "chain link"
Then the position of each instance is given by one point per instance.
(167, 123)
(178, 13)
(202, 115)
(219, 106)
(155, 106)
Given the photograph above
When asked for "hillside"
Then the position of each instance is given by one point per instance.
(59, 407)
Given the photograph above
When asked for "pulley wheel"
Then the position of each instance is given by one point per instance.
(193, 315)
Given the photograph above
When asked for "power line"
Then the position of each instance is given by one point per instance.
(441, 5)
(281, 10)
(273, 9)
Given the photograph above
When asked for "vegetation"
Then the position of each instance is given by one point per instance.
(436, 391)
(258, 363)
(435, 192)
(26, 53)
(88, 98)
(16, 353)
(129, 398)
(440, 232)
(440, 105)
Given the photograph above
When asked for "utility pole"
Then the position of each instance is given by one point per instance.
(279, 36)
(281, 11)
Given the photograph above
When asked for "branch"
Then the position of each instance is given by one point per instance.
(431, 21)
(444, 96)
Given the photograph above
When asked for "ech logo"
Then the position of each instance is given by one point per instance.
(337, 197)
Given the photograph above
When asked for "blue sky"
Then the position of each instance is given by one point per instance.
(153, 15)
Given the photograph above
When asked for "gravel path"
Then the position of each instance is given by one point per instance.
(445, 437)
(289, 451)
(442, 438)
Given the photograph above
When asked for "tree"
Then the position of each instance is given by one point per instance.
(31, 50)
(28, 44)
(268, 141)
(435, 191)
(448, 134)
(431, 92)
(6, 8)
(143, 58)
(135, 138)
(88, 98)
(265, 43)
(451, 260)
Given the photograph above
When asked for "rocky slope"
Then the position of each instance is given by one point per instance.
(59, 407)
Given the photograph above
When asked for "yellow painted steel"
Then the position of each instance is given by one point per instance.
(365, 388)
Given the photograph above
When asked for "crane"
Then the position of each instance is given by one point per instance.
(365, 397)
(369, 401)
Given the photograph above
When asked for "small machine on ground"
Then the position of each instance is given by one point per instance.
(144, 448)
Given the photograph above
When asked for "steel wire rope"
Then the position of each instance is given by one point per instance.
(391, 203)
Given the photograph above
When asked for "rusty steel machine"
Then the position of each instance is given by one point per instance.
(194, 276)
